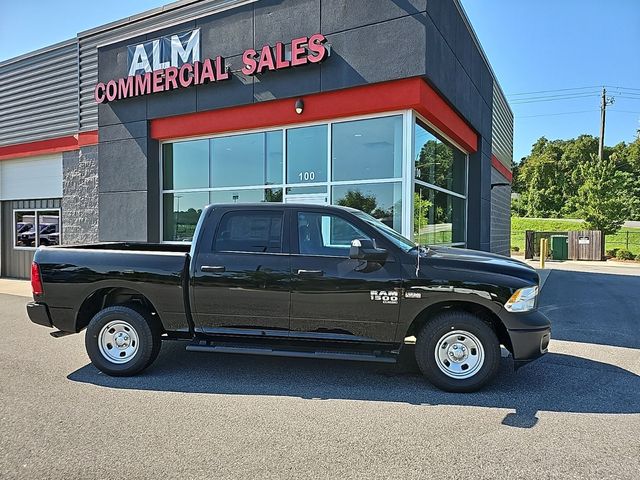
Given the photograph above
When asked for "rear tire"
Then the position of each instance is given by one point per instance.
(122, 340)
(457, 351)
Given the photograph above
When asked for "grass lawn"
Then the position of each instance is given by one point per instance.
(618, 240)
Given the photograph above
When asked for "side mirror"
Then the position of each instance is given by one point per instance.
(365, 249)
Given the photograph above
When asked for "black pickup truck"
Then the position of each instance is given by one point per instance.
(297, 281)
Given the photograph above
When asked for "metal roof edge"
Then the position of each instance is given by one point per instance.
(39, 51)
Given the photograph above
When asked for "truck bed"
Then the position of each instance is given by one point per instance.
(72, 274)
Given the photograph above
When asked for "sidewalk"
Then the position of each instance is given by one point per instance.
(612, 267)
(10, 286)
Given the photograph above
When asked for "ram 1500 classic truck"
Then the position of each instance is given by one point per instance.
(299, 281)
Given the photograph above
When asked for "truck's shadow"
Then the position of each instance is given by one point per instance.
(557, 383)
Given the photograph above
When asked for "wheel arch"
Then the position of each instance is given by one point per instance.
(111, 296)
(483, 312)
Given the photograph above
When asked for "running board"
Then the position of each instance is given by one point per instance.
(60, 334)
(208, 346)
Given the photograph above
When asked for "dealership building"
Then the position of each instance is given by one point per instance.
(126, 131)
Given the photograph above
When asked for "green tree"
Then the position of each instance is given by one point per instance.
(548, 180)
(357, 199)
(602, 198)
(421, 209)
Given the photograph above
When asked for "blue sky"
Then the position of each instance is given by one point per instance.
(533, 46)
(563, 44)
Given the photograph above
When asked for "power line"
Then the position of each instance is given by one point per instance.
(552, 91)
(556, 114)
(624, 88)
(562, 95)
(549, 99)
(624, 111)
(574, 90)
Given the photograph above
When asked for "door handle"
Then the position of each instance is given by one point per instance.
(212, 268)
(310, 273)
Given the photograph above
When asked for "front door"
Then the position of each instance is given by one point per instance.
(333, 296)
(242, 277)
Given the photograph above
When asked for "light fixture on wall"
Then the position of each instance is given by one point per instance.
(299, 106)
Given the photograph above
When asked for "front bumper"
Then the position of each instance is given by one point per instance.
(530, 334)
(39, 313)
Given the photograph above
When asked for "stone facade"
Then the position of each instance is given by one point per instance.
(500, 215)
(80, 196)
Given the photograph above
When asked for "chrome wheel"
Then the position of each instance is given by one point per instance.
(118, 341)
(459, 354)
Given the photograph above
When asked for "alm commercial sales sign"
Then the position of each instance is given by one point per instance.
(174, 61)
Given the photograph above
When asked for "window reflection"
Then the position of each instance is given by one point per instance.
(36, 227)
(380, 200)
(438, 163)
(181, 213)
(25, 227)
(367, 149)
(48, 227)
(438, 217)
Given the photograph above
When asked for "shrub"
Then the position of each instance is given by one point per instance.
(515, 249)
(622, 254)
(612, 252)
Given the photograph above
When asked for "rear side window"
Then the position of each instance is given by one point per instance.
(249, 232)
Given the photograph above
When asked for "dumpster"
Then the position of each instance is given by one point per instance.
(559, 247)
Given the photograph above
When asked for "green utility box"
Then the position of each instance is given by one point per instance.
(559, 247)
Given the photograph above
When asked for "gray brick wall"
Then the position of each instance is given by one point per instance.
(500, 215)
(80, 196)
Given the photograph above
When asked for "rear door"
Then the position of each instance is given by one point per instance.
(241, 282)
(332, 296)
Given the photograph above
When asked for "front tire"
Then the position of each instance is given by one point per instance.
(458, 352)
(122, 341)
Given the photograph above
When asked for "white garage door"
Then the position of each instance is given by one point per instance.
(31, 178)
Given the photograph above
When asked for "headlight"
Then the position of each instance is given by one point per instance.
(522, 300)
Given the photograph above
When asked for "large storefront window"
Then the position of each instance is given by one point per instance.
(355, 163)
(380, 200)
(439, 201)
(367, 149)
(253, 159)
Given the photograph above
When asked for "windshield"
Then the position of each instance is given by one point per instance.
(389, 233)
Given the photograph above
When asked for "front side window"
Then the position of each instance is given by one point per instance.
(259, 232)
(325, 234)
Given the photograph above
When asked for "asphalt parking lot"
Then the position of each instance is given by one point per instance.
(573, 414)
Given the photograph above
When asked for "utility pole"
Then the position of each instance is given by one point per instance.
(603, 113)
